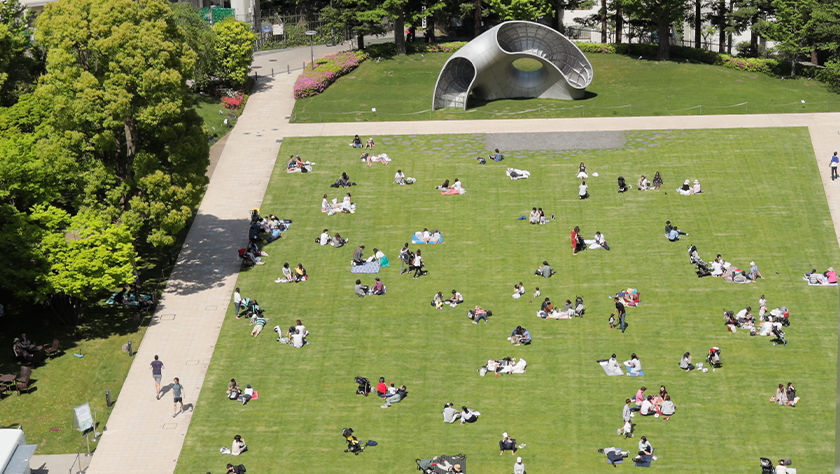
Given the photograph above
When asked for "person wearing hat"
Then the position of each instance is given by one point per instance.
(518, 468)
(685, 189)
(696, 189)
(831, 275)
(450, 414)
(369, 143)
(378, 287)
(754, 273)
(545, 270)
(457, 468)
(507, 444)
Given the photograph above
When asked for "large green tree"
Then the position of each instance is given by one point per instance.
(201, 39)
(791, 27)
(20, 61)
(234, 50)
(121, 109)
(659, 15)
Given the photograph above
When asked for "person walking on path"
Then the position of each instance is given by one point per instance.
(237, 302)
(178, 395)
(156, 367)
(835, 161)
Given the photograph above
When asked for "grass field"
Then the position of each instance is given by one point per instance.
(399, 88)
(763, 202)
(208, 109)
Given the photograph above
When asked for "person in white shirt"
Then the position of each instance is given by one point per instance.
(237, 302)
(648, 408)
(643, 184)
(633, 365)
(583, 190)
(645, 449)
(468, 415)
(519, 468)
(781, 469)
(613, 366)
(450, 414)
(247, 394)
(298, 339)
(346, 205)
(457, 298)
(534, 216)
(696, 189)
(457, 186)
(325, 238)
(399, 177)
(598, 242)
(717, 268)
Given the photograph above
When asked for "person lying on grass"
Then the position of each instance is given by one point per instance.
(480, 314)
(259, 324)
(468, 415)
(396, 397)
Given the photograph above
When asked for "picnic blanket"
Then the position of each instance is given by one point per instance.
(603, 364)
(640, 374)
(307, 167)
(809, 283)
(367, 267)
(614, 455)
(515, 174)
(645, 461)
(734, 275)
(415, 239)
(453, 191)
(256, 396)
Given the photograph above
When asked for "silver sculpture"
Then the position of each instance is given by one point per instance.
(484, 67)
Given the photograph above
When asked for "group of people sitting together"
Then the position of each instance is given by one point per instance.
(332, 207)
(775, 318)
(296, 275)
(325, 239)
(648, 405)
(579, 243)
(378, 256)
(235, 393)
(357, 142)
(829, 277)
(466, 415)
(24, 350)
(687, 189)
(569, 311)
(537, 216)
(455, 188)
(785, 396)
(377, 289)
(296, 165)
(295, 336)
(456, 299)
(644, 184)
(503, 366)
(427, 236)
(520, 336)
(672, 232)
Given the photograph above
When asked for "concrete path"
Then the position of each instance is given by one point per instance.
(141, 434)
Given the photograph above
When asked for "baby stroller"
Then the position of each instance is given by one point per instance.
(778, 336)
(766, 466)
(252, 309)
(779, 315)
(364, 386)
(353, 444)
(579, 309)
(701, 266)
(714, 357)
(622, 186)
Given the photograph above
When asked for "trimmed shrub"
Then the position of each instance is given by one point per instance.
(328, 69)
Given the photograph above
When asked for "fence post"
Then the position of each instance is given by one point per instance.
(304, 65)
(288, 69)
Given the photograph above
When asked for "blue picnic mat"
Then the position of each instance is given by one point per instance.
(369, 267)
(645, 462)
(415, 240)
(641, 372)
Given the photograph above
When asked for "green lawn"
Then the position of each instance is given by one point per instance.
(764, 202)
(209, 109)
(401, 87)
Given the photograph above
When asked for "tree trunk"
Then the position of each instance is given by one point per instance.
(430, 29)
(698, 24)
(793, 66)
(477, 18)
(721, 26)
(815, 59)
(619, 24)
(753, 41)
(603, 21)
(557, 18)
(360, 41)
(664, 42)
(399, 33)
(125, 167)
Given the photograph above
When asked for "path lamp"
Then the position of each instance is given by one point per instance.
(311, 34)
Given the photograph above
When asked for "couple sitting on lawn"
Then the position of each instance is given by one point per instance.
(390, 393)
(454, 188)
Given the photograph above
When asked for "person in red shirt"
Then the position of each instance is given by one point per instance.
(381, 388)
(577, 241)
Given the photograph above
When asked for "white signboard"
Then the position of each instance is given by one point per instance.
(82, 417)
(278, 29)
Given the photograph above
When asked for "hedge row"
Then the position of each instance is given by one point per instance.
(327, 70)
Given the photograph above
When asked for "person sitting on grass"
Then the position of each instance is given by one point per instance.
(457, 186)
(685, 189)
(247, 394)
(546, 309)
(380, 258)
(545, 270)
(397, 397)
(450, 414)
(543, 220)
(583, 190)
(497, 156)
(232, 390)
(468, 415)
(518, 291)
(437, 301)
(238, 446)
(399, 178)
(381, 388)
(343, 181)
(457, 298)
(754, 274)
(361, 290)
(346, 205)
(643, 184)
(480, 314)
(657, 181)
(534, 216)
(275, 234)
(645, 449)
(790, 392)
(668, 408)
(444, 187)
(675, 234)
(638, 399)
(507, 444)
(324, 238)
(582, 171)
(357, 142)
(685, 362)
(378, 287)
(300, 273)
(598, 242)
(330, 208)
(231, 469)
(519, 336)
(338, 241)
(292, 163)
(696, 189)
(613, 365)
(369, 144)
(648, 408)
(633, 365)
(298, 339)
(288, 275)
(358, 257)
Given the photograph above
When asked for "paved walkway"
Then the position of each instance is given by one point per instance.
(141, 435)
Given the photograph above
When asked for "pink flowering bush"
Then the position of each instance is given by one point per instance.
(438, 47)
(327, 70)
(748, 64)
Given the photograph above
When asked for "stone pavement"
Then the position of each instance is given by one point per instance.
(141, 436)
